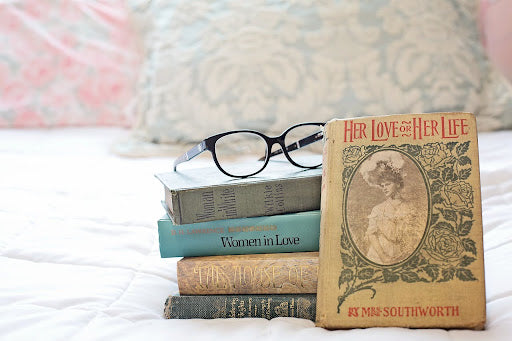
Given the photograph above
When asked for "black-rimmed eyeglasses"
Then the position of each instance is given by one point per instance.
(296, 144)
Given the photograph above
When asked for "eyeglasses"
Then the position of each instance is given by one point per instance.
(295, 144)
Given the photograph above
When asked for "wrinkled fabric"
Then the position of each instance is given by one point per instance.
(79, 248)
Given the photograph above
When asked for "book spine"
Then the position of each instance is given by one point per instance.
(263, 198)
(240, 306)
(326, 220)
(295, 232)
(263, 274)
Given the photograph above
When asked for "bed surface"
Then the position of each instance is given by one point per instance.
(79, 248)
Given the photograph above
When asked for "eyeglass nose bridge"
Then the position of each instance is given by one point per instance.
(279, 140)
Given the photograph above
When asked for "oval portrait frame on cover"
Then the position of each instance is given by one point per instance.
(387, 207)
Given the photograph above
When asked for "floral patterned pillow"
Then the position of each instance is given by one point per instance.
(216, 65)
(65, 63)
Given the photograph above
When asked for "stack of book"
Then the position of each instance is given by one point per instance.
(400, 236)
(250, 246)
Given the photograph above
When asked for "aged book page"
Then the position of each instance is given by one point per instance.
(401, 225)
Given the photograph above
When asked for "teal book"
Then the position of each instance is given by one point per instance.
(205, 194)
(294, 232)
(241, 306)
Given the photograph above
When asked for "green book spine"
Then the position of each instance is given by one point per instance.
(202, 195)
(239, 306)
(294, 232)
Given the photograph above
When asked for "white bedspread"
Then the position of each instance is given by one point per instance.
(79, 250)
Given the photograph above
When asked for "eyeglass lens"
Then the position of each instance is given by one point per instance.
(244, 147)
(305, 152)
(250, 147)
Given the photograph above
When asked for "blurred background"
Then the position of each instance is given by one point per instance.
(66, 63)
(174, 71)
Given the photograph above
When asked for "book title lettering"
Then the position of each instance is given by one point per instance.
(225, 203)
(412, 311)
(274, 199)
(245, 276)
(230, 229)
(265, 241)
(417, 128)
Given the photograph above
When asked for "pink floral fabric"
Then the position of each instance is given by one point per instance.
(66, 63)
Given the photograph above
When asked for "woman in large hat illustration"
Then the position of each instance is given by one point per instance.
(394, 227)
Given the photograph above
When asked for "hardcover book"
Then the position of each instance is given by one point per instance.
(205, 194)
(274, 273)
(239, 306)
(401, 226)
(293, 232)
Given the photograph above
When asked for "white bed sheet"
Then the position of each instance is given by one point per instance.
(79, 250)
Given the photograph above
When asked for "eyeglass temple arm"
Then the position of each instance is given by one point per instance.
(297, 145)
(193, 152)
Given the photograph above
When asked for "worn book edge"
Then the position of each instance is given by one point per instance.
(478, 322)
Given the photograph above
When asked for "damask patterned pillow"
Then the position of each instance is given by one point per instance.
(217, 65)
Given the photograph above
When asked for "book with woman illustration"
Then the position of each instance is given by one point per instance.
(388, 222)
(401, 225)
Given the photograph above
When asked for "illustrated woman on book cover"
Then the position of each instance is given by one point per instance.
(393, 230)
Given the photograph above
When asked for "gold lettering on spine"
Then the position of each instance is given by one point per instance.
(222, 278)
(237, 269)
(248, 276)
(197, 270)
(254, 275)
(232, 311)
(210, 276)
(274, 278)
(242, 309)
(293, 276)
(302, 271)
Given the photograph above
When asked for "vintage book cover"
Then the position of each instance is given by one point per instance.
(205, 194)
(239, 306)
(271, 273)
(293, 232)
(401, 226)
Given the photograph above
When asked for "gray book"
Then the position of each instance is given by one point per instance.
(205, 194)
(241, 306)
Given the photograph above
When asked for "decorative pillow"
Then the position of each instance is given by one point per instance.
(211, 66)
(65, 63)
